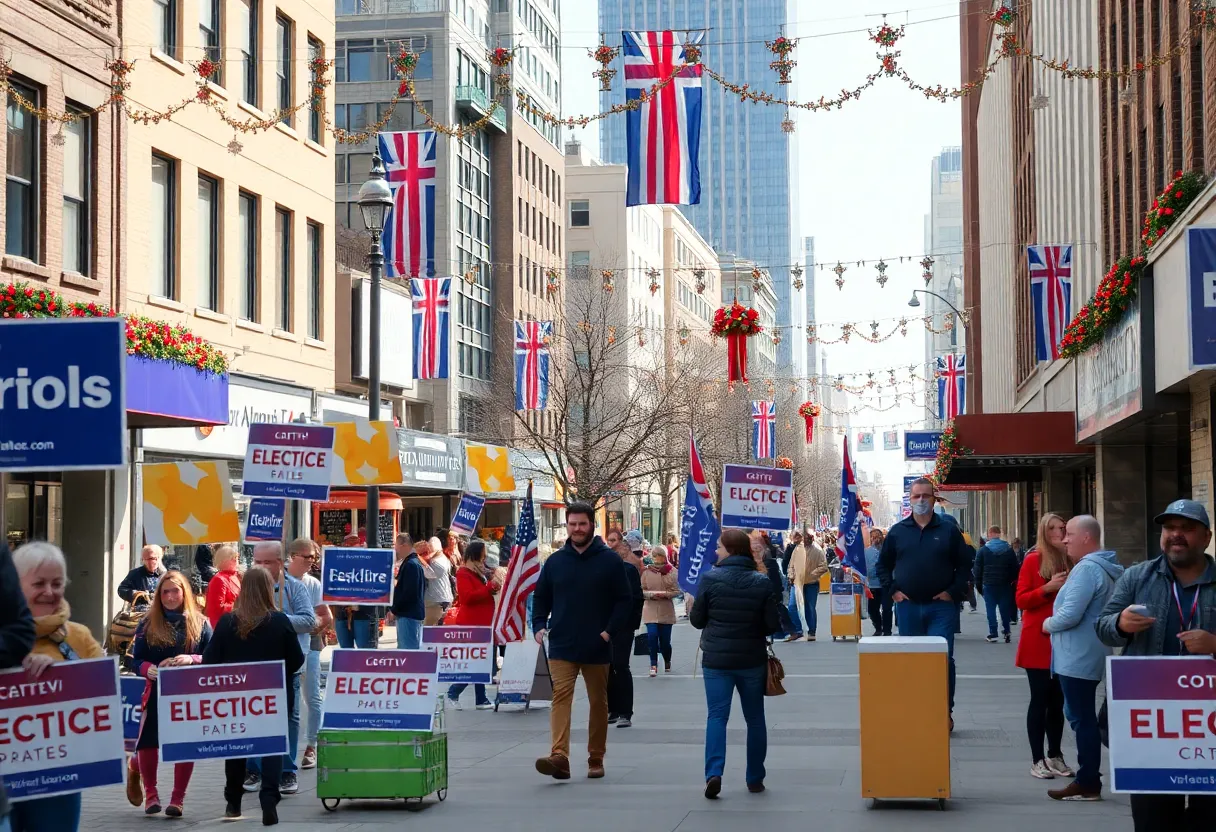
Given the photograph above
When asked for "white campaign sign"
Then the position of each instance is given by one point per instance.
(842, 604)
(518, 667)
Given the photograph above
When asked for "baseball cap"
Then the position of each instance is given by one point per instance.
(1190, 509)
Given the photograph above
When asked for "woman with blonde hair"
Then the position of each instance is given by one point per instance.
(1043, 572)
(659, 589)
(173, 633)
(225, 585)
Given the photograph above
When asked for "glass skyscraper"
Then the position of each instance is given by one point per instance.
(746, 159)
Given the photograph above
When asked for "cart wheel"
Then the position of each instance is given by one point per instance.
(325, 801)
(873, 802)
(941, 804)
(442, 794)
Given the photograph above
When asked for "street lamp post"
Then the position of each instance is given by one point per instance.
(915, 303)
(375, 199)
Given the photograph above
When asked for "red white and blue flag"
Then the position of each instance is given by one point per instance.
(532, 364)
(409, 228)
(522, 572)
(432, 313)
(850, 547)
(663, 134)
(951, 386)
(1050, 297)
(764, 430)
(699, 529)
(696, 474)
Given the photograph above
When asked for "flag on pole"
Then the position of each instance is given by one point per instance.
(698, 527)
(951, 386)
(1050, 297)
(522, 572)
(532, 364)
(408, 241)
(663, 133)
(764, 430)
(850, 548)
(432, 313)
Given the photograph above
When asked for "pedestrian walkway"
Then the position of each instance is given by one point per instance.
(654, 769)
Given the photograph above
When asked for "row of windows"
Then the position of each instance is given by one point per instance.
(475, 309)
(539, 27)
(371, 59)
(541, 229)
(541, 176)
(527, 107)
(360, 117)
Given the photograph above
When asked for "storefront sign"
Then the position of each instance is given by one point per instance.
(466, 654)
(921, 444)
(250, 402)
(188, 503)
(1109, 383)
(1201, 295)
(488, 469)
(757, 498)
(865, 441)
(381, 690)
(222, 711)
(62, 732)
(905, 504)
(1162, 718)
(468, 512)
(265, 519)
(890, 440)
(365, 453)
(362, 577)
(132, 709)
(430, 460)
(292, 461)
(396, 334)
(62, 394)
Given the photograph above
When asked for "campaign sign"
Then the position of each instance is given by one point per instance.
(381, 690)
(921, 444)
(519, 668)
(61, 733)
(265, 519)
(222, 711)
(1162, 717)
(132, 708)
(466, 654)
(289, 460)
(757, 498)
(468, 512)
(362, 577)
(62, 393)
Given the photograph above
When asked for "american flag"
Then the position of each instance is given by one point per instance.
(532, 364)
(764, 429)
(432, 313)
(663, 135)
(409, 228)
(951, 386)
(696, 472)
(850, 547)
(1051, 297)
(522, 573)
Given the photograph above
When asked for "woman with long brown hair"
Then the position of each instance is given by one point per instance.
(1042, 574)
(255, 631)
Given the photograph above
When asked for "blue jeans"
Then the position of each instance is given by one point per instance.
(409, 634)
(253, 765)
(46, 814)
(479, 693)
(810, 594)
(1082, 712)
(659, 636)
(363, 637)
(312, 695)
(720, 686)
(998, 597)
(936, 618)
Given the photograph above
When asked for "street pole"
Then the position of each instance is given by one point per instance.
(376, 261)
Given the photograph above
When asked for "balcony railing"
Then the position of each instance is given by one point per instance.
(476, 104)
(349, 7)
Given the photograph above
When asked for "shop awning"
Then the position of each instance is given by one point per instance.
(1013, 447)
(358, 499)
(168, 394)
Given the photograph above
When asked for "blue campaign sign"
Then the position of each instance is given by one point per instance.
(468, 512)
(265, 520)
(132, 708)
(355, 576)
(62, 395)
(1201, 295)
(921, 444)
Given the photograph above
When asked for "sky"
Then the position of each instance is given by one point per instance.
(864, 170)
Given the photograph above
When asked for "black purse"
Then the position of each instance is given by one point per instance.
(641, 644)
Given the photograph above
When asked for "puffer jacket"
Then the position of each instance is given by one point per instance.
(735, 609)
(995, 565)
(1149, 583)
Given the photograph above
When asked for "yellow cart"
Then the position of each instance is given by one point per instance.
(845, 610)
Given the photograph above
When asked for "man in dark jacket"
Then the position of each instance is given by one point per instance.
(143, 578)
(16, 633)
(620, 677)
(996, 575)
(924, 567)
(409, 608)
(581, 598)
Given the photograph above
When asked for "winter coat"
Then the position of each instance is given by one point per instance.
(145, 656)
(1075, 648)
(474, 605)
(637, 600)
(273, 639)
(16, 628)
(1034, 645)
(736, 610)
(409, 589)
(1150, 583)
(578, 596)
(923, 563)
(806, 564)
(656, 582)
(995, 565)
(139, 579)
(222, 592)
(59, 637)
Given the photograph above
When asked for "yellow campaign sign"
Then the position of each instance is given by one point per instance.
(187, 503)
(488, 469)
(365, 453)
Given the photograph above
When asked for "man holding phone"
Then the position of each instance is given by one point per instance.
(1167, 607)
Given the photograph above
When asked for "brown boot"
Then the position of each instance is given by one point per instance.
(555, 766)
(595, 768)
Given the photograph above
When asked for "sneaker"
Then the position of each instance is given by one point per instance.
(624, 722)
(654, 671)
(713, 786)
(135, 792)
(666, 666)
(1056, 765)
(973, 611)
(793, 638)
(253, 782)
(990, 639)
(484, 706)
(1007, 638)
(612, 718)
(1074, 791)
(455, 703)
(555, 766)
(288, 783)
(310, 758)
(1041, 771)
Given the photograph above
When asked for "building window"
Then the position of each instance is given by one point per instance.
(164, 15)
(209, 36)
(282, 267)
(283, 66)
(77, 197)
(208, 242)
(21, 174)
(580, 264)
(315, 274)
(249, 255)
(316, 50)
(162, 232)
(248, 9)
(580, 213)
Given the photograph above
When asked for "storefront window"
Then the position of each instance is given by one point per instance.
(33, 510)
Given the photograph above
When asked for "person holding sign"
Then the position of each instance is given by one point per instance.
(1167, 607)
(255, 631)
(474, 607)
(16, 635)
(173, 633)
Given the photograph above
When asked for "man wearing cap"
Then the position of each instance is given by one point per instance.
(1179, 589)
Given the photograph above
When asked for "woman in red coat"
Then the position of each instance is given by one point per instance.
(1043, 573)
(223, 588)
(473, 607)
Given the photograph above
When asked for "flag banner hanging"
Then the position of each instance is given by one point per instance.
(951, 386)
(1050, 297)
(532, 339)
(409, 227)
(698, 528)
(850, 547)
(764, 430)
(865, 441)
(188, 503)
(663, 135)
(522, 572)
(432, 317)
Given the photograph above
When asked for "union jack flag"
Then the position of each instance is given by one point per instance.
(432, 311)
(532, 364)
(951, 386)
(663, 135)
(522, 573)
(409, 228)
(764, 429)
(1051, 297)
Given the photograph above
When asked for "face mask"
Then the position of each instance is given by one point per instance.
(922, 508)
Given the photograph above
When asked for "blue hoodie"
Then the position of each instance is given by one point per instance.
(1075, 648)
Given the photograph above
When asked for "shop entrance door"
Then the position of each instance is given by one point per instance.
(33, 510)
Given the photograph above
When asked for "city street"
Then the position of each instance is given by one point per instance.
(654, 779)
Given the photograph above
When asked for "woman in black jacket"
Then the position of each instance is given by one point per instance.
(256, 632)
(736, 610)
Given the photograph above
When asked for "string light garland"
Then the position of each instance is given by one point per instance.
(783, 65)
(840, 270)
(604, 55)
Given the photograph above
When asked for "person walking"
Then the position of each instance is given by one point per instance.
(582, 596)
(1078, 656)
(996, 575)
(620, 676)
(173, 634)
(659, 589)
(474, 607)
(924, 567)
(303, 557)
(880, 602)
(735, 610)
(408, 611)
(144, 577)
(439, 579)
(1167, 607)
(16, 640)
(224, 586)
(257, 631)
(768, 565)
(806, 564)
(1043, 572)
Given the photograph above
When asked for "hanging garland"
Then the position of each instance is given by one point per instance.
(948, 451)
(604, 55)
(782, 64)
(809, 411)
(736, 324)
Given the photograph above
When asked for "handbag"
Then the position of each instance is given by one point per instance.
(776, 672)
(641, 644)
(121, 631)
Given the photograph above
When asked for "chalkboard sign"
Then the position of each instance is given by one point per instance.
(386, 526)
(332, 526)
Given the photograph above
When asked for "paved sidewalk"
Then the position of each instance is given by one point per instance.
(655, 768)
